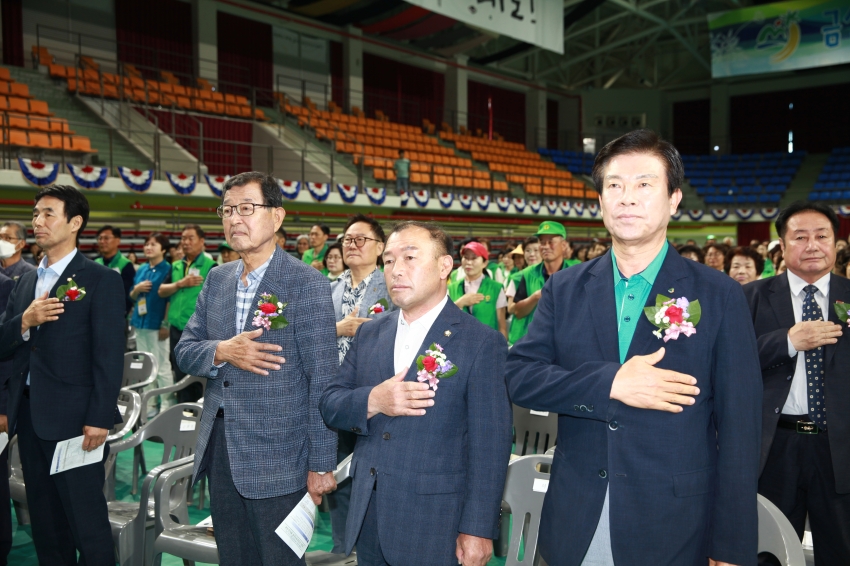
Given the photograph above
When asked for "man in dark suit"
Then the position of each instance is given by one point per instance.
(431, 455)
(262, 441)
(67, 367)
(804, 351)
(656, 460)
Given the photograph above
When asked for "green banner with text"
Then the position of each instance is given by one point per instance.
(779, 37)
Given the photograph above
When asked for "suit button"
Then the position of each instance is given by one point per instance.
(590, 408)
(372, 471)
(355, 429)
(386, 436)
(789, 378)
(613, 425)
(603, 474)
(575, 407)
(776, 410)
(582, 408)
(227, 384)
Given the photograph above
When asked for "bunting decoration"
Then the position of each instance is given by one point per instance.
(216, 183)
(552, 206)
(519, 204)
(319, 191)
(38, 173)
(535, 205)
(720, 213)
(88, 176)
(446, 198)
(421, 197)
(403, 197)
(593, 208)
(677, 215)
(565, 207)
(503, 203)
(347, 192)
(376, 195)
(483, 201)
(579, 208)
(745, 213)
(695, 214)
(289, 189)
(771, 213)
(136, 180)
(465, 201)
(181, 182)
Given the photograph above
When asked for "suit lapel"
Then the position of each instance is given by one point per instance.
(441, 332)
(599, 298)
(839, 290)
(669, 277)
(386, 337)
(780, 301)
(272, 282)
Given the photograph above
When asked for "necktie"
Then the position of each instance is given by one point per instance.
(814, 364)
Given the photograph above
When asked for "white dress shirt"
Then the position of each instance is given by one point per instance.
(797, 402)
(409, 337)
(47, 278)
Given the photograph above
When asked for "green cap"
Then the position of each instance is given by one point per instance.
(552, 228)
(224, 246)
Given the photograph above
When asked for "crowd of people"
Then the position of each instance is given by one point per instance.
(406, 350)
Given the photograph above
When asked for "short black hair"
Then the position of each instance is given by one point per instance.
(324, 228)
(268, 186)
(641, 141)
(116, 232)
(161, 239)
(376, 227)
(441, 239)
(198, 230)
(530, 240)
(744, 251)
(75, 202)
(805, 206)
(689, 249)
(338, 247)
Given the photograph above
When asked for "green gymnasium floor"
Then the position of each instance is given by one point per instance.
(23, 551)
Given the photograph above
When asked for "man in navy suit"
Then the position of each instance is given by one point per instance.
(804, 350)
(657, 455)
(431, 455)
(67, 368)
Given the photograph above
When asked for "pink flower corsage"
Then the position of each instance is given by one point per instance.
(673, 317)
(433, 366)
(269, 315)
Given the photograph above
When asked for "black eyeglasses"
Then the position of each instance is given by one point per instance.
(243, 209)
(359, 241)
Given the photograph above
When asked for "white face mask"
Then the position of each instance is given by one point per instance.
(7, 249)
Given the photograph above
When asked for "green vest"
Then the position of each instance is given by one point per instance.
(534, 281)
(183, 301)
(117, 263)
(485, 311)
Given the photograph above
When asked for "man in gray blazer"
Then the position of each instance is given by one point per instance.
(263, 335)
(433, 441)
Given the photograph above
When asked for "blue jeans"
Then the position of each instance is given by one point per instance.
(402, 184)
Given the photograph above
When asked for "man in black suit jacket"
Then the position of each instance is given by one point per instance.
(805, 355)
(67, 367)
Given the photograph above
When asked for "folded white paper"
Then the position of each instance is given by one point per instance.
(206, 522)
(540, 413)
(69, 454)
(297, 529)
(540, 485)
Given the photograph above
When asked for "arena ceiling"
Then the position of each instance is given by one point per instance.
(607, 43)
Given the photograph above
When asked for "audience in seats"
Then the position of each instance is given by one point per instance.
(715, 254)
(108, 241)
(302, 244)
(691, 252)
(319, 235)
(743, 264)
(13, 266)
(333, 263)
(477, 293)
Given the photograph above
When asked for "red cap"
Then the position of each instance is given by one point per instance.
(477, 248)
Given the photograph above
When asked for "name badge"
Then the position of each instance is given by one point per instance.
(116, 270)
(143, 306)
(194, 271)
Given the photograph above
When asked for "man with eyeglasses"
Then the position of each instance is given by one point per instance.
(262, 441)
(108, 242)
(182, 289)
(13, 267)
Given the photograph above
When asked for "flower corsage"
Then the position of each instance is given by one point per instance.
(379, 307)
(841, 311)
(70, 292)
(673, 317)
(434, 365)
(269, 315)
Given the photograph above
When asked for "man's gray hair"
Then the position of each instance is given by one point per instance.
(19, 228)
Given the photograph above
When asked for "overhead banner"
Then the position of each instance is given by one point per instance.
(539, 22)
(779, 37)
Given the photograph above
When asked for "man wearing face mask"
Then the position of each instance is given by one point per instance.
(7, 250)
(13, 236)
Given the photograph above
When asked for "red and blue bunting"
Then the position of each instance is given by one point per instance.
(403, 197)
(552, 206)
(88, 176)
(446, 198)
(694, 214)
(503, 203)
(38, 173)
(593, 209)
(579, 208)
(769, 213)
(519, 204)
(677, 215)
(565, 206)
(483, 201)
(216, 183)
(136, 180)
(465, 201)
(720, 213)
(535, 205)
(319, 191)
(348, 193)
(421, 197)
(181, 182)
(289, 189)
(376, 195)
(745, 213)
